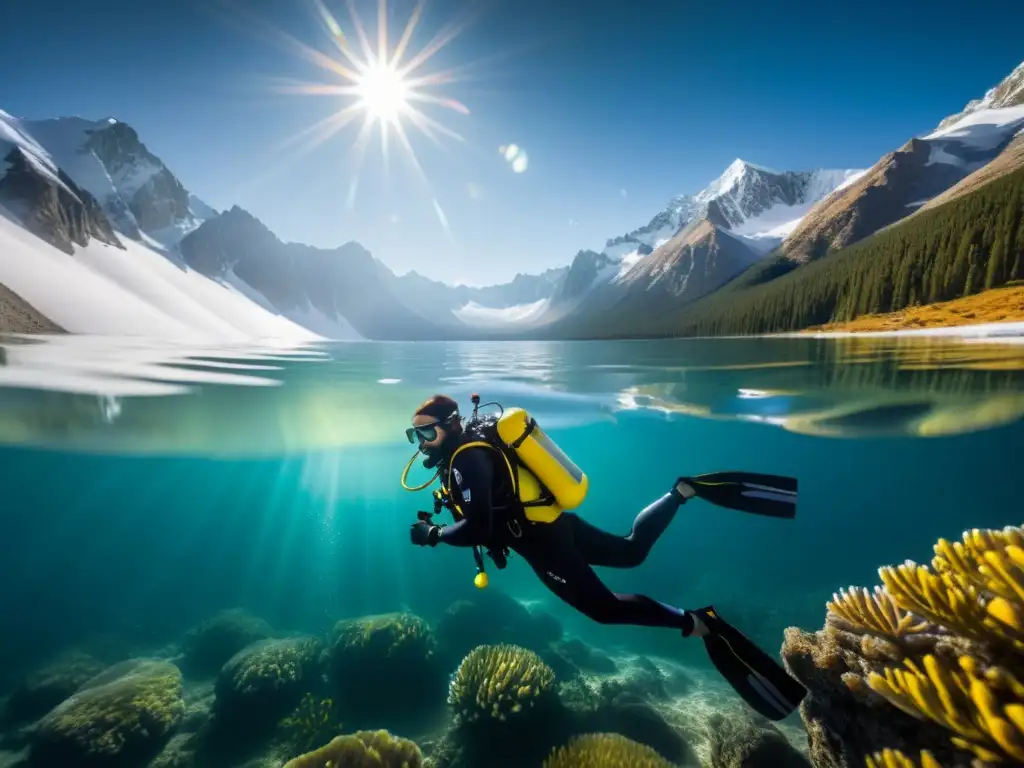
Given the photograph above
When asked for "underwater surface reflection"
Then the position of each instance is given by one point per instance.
(137, 396)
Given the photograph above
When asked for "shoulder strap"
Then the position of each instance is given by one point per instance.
(483, 444)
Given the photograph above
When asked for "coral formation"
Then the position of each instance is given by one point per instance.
(499, 682)
(889, 758)
(49, 685)
(928, 664)
(369, 658)
(120, 717)
(605, 750)
(363, 749)
(262, 682)
(208, 646)
(314, 721)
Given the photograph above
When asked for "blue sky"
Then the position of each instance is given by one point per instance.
(619, 105)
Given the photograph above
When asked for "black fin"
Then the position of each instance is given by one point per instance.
(760, 494)
(759, 679)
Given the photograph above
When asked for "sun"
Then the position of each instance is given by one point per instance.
(382, 92)
(378, 84)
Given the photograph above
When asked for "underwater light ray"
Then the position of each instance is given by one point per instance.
(279, 539)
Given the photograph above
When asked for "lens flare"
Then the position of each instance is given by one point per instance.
(515, 156)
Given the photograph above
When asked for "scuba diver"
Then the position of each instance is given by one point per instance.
(509, 488)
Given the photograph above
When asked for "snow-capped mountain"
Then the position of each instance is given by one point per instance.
(904, 180)
(64, 268)
(525, 296)
(141, 197)
(338, 293)
(754, 207)
(1008, 93)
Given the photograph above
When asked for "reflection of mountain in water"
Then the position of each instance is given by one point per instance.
(855, 387)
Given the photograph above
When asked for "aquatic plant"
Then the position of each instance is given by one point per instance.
(314, 721)
(118, 718)
(498, 682)
(363, 749)
(605, 750)
(941, 643)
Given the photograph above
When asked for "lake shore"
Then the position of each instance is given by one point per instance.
(998, 311)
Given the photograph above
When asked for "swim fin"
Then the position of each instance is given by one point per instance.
(770, 495)
(759, 679)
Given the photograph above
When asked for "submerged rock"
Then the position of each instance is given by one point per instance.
(493, 617)
(265, 681)
(208, 646)
(123, 716)
(586, 657)
(49, 685)
(384, 669)
(749, 741)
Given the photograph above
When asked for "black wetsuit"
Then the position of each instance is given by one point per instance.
(562, 552)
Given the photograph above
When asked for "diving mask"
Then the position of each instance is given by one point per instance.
(427, 433)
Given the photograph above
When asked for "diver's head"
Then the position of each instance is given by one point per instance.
(436, 426)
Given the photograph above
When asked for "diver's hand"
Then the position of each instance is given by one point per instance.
(424, 534)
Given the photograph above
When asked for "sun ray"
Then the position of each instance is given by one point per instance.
(382, 33)
(403, 42)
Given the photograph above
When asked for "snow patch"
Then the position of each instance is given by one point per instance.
(104, 290)
(983, 130)
(937, 154)
(629, 261)
(476, 314)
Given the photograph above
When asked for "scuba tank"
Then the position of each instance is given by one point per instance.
(543, 458)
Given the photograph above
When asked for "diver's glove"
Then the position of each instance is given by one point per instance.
(425, 534)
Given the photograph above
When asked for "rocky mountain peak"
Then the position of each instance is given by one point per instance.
(1008, 93)
(50, 205)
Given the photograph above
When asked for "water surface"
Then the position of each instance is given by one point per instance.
(148, 485)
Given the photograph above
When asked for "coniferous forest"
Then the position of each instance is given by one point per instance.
(968, 245)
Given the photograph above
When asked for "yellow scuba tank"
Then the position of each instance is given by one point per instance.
(546, 462)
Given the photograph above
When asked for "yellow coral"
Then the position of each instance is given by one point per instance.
(363, 749)
(605, 750)
(874, 611)
(890, 758)
(983, 709)
(498, 680)
(977, 590)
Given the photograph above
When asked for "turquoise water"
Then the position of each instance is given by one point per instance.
(147, 487)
